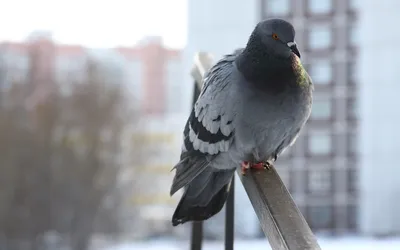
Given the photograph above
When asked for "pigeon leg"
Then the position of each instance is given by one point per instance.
(245, 166)
(260, 165)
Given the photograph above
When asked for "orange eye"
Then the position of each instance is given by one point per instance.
(275, 36)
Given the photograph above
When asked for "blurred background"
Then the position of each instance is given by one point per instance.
(94, 96)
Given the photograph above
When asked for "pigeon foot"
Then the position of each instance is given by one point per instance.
(260, 165)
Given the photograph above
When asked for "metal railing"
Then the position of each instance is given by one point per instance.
(282, 222)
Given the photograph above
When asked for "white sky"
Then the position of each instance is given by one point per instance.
(101, 23)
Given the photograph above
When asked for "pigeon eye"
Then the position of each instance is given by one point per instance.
(275, 36)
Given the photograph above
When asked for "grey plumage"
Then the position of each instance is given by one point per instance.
(252, 106)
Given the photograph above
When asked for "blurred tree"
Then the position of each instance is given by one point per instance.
(60, 158)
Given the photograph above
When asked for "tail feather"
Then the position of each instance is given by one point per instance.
(204, 196)
(186, 170)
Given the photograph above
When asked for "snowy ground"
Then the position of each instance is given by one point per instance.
(345, 243)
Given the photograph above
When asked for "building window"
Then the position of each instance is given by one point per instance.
(278, 7)
(321, 109)
(352, 73)
(320, 143)
(352, 180)
(320, 37)
(352, 109)
(354, 35)
(319, 181)
(354, 4)
(351, 143)
(321, 71)
(320, 6)
(352, 216)
(320, 216)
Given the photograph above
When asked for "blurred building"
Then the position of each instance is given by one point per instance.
(39, 62)
(152, 75)
(158, 69)
(379, 118)
(151, 71)
(154, 146)
(321, 169)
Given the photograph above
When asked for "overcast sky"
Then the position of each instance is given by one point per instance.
(95, 23)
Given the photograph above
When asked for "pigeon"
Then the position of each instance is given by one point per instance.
(253, 104)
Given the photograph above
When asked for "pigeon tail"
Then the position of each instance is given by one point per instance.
(204, 196)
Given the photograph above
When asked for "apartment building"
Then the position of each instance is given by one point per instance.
(321, 169)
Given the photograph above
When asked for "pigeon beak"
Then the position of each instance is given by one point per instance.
(293, 47)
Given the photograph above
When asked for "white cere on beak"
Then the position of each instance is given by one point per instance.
(290, 44)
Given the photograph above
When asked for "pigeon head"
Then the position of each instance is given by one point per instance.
(277, 36)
